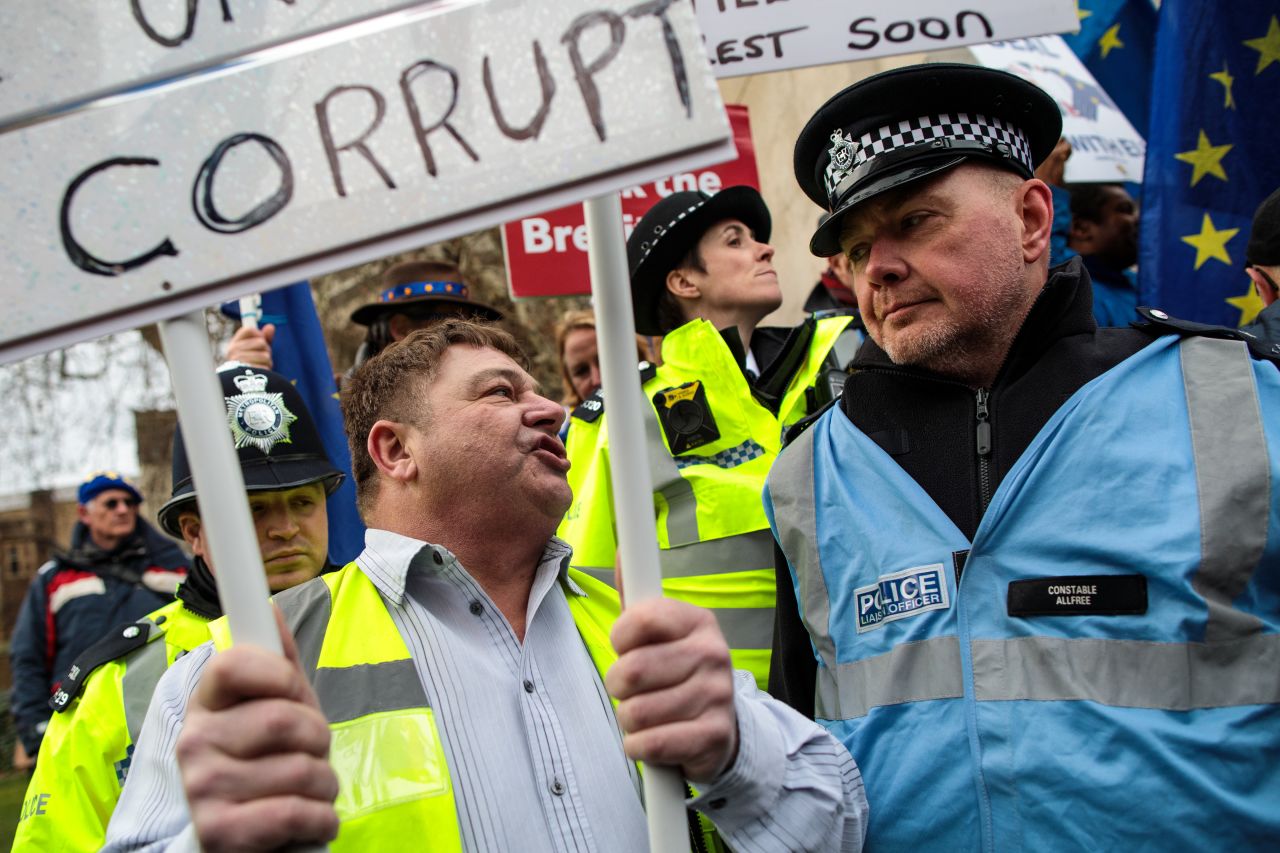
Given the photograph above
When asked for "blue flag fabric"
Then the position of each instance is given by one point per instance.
(1116, 43)
(1211, 155)
(298, 352)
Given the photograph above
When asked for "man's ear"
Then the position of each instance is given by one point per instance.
(388, 447)
(1035, 207)
(82, 513)
(1261, 286)
(679, 284)
(398, 327)
(193, 534)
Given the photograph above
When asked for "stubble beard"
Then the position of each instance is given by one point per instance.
(968, 346)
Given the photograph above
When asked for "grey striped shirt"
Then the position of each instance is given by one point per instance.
(533, 749)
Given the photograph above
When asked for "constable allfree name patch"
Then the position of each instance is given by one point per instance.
(901, 594)
(1079, 595)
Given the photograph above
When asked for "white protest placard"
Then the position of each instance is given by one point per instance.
(57, 54)
(755, 36)
(396, 132)
(1104, 145)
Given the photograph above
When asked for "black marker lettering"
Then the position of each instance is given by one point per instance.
(658, 8)
(986, 25)
(81, 256)
(155, 35)
(585, 72)
(412, 73)
(872, 35)
(358, 145)
(545, 81)
(202, 189)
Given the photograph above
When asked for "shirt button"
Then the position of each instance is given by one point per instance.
(528, 686)
(476, 608)
(557, 788)
(717, 803)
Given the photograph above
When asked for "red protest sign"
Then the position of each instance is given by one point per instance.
(547, 254)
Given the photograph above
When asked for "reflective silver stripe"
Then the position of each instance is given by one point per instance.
(1130, 673)
(791, 486)
(911, 672)
(1233, 478)
(742, 553)
(745, 552)
(141, 675)
(846, 346)
(682, 504)
(306, 611)
(746, 627)
(350, 692)
(1119, 673)
(600, 573)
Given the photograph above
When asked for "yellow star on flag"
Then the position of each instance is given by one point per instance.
(1224, 77)
(1210, 242)
(1268, 46)
(1082, 13)
(1206, 159)
(1249, 304)
(1110, 40)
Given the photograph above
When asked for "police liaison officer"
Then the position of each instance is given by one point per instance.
(1033, 562)
(100, 706)
(702, 275)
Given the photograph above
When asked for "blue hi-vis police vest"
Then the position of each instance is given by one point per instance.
(1106, 673)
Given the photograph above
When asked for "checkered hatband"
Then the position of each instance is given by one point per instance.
(846, 155)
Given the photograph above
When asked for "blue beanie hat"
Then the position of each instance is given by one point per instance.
(101, 481)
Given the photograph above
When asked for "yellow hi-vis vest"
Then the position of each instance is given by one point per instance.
(393, 778)
(86, 750)
(716, 548)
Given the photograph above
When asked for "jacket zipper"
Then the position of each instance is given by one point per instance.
(984, 451)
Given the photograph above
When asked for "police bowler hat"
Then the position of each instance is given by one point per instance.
(672, 227)
(910, 123)
(275, 439)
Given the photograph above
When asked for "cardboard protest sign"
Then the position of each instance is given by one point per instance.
(547, 254)
(1104, 144)
(755, 36)
(421, 126)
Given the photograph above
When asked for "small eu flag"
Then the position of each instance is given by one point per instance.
(298, 352)
(1211, 155)
(1116, 43)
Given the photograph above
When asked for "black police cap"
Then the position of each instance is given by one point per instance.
(276, 440)
(913, 122)
(672, 227)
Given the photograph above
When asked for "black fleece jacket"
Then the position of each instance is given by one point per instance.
(930, 426)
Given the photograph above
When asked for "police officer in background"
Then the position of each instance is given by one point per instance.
(102, 701)
(1033, 562)
(702, 276)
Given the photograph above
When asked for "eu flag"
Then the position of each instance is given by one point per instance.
(298, 352)
(1116, 43)
(1211, 155)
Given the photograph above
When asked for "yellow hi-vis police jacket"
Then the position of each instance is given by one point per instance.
(710, 443)
(86, 750)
